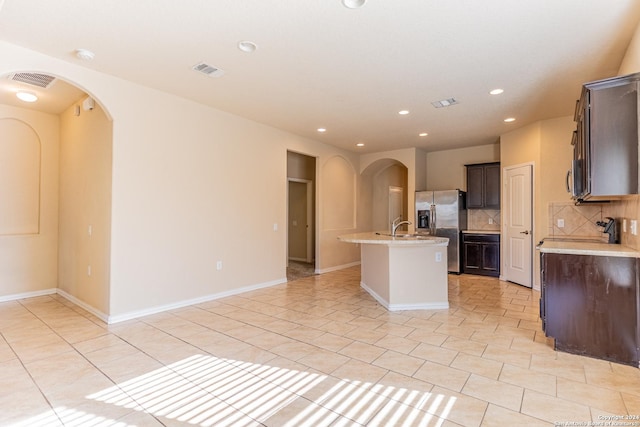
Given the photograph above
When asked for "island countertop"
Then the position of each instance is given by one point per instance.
(382, 238)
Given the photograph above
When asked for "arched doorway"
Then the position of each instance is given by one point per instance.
(384, 194)
(70, 247)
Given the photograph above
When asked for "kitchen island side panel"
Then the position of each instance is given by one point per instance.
(375, 269)
(417, 274)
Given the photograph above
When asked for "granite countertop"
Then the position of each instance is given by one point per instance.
(588, 248)
(480, 231)
(382, 238)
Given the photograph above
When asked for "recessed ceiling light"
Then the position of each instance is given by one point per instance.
(27, 96)
(247, 46)
(321, 130)
(353, 4)
(85, 54)
(360, 144)
(496, 91)
(423, 134)
(403, 112)
(510, 119)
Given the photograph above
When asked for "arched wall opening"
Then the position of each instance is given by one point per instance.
(383, 183)
(67, 250)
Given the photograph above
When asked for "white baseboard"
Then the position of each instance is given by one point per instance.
(100, 315)
(24, 295)
(159, 309)
(402, 307)
(139, 313)
(337, 267)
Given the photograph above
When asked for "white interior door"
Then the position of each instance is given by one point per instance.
(300, 218)
(518, 230)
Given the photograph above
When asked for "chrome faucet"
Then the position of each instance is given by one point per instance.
(396, 225)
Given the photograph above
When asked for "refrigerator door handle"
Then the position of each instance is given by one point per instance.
(432, 222)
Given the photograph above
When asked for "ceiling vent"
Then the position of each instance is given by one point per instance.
(445, 103)
(209, 70)
(40, 80)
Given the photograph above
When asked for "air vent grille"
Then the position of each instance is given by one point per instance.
(445, 103)
(209, 70)
(35, 79)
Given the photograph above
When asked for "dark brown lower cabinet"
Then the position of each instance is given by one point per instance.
(481, 254)
(590, 305)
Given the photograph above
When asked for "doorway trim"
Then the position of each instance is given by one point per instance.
(310, 225)
(505, 215)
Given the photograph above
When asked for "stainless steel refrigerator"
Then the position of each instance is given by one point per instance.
(444, 214)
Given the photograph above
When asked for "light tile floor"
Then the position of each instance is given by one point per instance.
(318, 351)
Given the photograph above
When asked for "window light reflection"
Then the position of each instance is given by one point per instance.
(209, 391)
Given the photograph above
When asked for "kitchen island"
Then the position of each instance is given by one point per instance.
(405, 272)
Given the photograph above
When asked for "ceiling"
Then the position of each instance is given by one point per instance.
(321, 65)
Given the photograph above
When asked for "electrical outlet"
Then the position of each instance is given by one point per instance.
(219, 265)
(624, 225)
(490, 220)
(438, 256)
(634, 227)
(275, 226)
(560, 223)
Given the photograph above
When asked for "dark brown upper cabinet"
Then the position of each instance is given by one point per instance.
(483, 186)
(605, 142)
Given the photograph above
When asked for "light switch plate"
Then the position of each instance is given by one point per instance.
(634, 227)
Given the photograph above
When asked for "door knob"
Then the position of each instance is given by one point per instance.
(524, 232)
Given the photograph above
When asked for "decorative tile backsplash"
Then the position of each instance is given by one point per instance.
(578, 221)
(628, 208)
(479, 219)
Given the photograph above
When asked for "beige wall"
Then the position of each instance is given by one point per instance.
(28, 261)
(631, 61)
(186, 183)
(338, 212)
(19, 178)
(547, 146)
(556, 153)
(446, 171)
(85, 202)
(420, 170)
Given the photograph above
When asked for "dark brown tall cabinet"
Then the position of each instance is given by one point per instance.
(483, 186)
